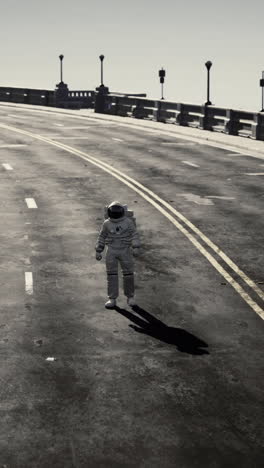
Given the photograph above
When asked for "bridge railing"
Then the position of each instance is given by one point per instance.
(42, 97)
(81, 99)
(216, 119)
(27, 96)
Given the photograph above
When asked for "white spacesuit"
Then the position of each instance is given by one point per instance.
(119, 233)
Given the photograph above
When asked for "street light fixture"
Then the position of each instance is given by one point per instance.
(101, 58)
(61, 57)
(208, 66)
(162, 76)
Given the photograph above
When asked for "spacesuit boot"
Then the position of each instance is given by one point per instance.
(110, 304)
(131, 301)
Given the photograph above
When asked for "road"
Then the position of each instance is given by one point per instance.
(178, 380)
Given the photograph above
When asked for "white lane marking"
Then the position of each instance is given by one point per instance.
(195, 198)
(29, 282)
(18, 145)
(124, 179)
(7, 167)
(27, 261)
(117, 139)
(220, 198)
(190, 163)
(30, 203)
(27, 223)
(58, 125)
(254, 173)
(25, 236)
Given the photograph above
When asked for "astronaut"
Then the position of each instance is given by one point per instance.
(119, 233)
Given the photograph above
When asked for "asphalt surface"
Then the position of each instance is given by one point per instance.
(177, 381)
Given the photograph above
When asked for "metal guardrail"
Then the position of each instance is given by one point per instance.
(216, 119)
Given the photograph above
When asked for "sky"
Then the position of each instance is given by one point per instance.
(137, 38)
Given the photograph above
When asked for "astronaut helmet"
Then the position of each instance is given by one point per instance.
(115, 210)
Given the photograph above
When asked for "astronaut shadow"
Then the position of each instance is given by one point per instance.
(184, 341)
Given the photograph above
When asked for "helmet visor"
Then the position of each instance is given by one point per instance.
(116, 211)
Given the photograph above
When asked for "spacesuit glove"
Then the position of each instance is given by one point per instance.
(136, 252)
(98, 256)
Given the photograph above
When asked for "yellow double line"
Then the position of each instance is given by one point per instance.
(143, 191)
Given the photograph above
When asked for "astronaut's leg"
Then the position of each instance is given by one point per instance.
(127, 265)
(112, 273)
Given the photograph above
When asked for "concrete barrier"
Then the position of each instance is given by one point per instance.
(258, 129)
(121, 105)
(216, 119)
(41, 97)
(144, 109)
(27, 96)
(83, 99)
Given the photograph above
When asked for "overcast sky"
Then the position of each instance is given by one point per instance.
(137, 38)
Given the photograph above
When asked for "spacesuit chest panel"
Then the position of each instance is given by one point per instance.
(118, 233)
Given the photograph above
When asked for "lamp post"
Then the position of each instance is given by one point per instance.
(101, 58)
(62, 90)
(162, 76)
(61, 57)
(262, 85)
(102, 102)
(208, 66)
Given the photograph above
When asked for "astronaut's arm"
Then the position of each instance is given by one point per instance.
(135, 237)
(100, 243)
